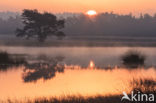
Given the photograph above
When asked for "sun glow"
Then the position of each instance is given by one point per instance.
(91, 64)
(91, 13)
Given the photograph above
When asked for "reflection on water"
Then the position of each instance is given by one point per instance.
(75, 80)
(75, 71)
(44, 67)
(102, 56)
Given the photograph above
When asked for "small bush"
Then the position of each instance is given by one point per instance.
(133, 59)
(7, 60)
(4, 58)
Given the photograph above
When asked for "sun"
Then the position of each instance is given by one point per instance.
(91, 13)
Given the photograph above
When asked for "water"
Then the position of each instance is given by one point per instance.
(84, 82)
(102, 56)
(75, 80)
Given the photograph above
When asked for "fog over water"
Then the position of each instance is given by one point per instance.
(102, 56)
(77, 78)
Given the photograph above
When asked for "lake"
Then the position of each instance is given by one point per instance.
(78, 77)
(102, 56)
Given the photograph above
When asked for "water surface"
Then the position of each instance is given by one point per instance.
(77, 78)
(102, 56)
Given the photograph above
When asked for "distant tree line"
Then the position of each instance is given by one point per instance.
(112, 24)
(9, 26)
(104, 24)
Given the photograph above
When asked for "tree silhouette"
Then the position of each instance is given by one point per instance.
(40, 25)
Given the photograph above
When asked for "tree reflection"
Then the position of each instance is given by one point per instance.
(43, 67)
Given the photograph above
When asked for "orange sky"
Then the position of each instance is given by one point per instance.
(118, 6)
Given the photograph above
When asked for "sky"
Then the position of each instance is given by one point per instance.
(57, 6)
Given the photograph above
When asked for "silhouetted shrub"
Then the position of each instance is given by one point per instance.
(133, 59)
(8, 60)
(4, 58)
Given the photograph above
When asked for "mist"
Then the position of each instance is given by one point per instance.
(104, 24)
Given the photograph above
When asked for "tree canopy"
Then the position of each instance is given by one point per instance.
(40, 25)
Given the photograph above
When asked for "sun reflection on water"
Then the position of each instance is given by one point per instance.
(91, 64)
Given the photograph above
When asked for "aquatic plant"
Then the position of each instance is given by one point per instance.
(133, 59)
(9, 60)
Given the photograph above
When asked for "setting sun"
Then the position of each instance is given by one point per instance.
(91, 13)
